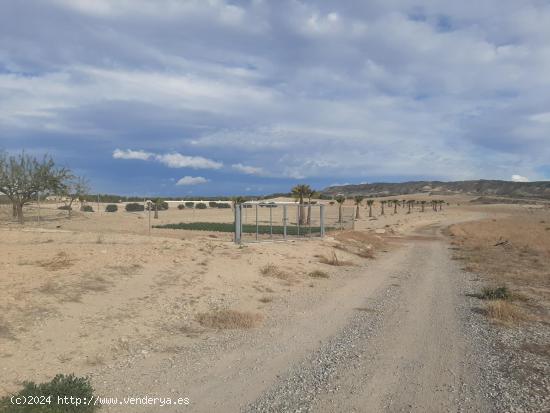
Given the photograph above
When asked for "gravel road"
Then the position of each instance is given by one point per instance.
(405, 350)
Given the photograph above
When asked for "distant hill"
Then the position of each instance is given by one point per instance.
(533, 190)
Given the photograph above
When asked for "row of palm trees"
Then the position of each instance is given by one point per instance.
(303, 192)
(437, 205)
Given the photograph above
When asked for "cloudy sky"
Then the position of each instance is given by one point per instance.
(176, 97)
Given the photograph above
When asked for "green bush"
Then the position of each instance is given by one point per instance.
(111, 208)
(200, 205)
(224, 205)
(213, 204)
(86, 208)
(163, 206)
(181, 206)
(134, 207)
(190, 204)
(499, 293)
(51, 395)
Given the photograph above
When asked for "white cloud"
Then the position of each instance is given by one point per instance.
(192, 180)
(177, 160)
(250, 170)
(519, 178)
(130, 154)
(172, 160)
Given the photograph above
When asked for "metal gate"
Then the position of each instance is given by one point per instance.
(263, 221)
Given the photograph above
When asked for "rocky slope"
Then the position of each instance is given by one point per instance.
(539, 189)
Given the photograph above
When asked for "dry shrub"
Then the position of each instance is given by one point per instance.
(271, 270)
(318, 274)
(60, 261)
(265, 299)
(229, 319)
(504, 312)
(334, 260)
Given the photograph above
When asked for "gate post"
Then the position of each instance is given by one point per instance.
(284, 221)
(238, 227)
(322, 219)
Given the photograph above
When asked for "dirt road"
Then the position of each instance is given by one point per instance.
(391, 339)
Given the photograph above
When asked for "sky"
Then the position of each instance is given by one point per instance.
(219, 97)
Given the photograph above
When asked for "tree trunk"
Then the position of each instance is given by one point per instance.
(340, 213)
(308, 213)
(357, 216)
(382, 213)
(14, 212)
(370, 211)
(156, 212)
(20, 213)
(395, 208)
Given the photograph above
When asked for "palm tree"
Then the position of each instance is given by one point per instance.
(382, 204)
(422, 203)
(358, 199)
(340, 199)
(236, 200)
(156, 203)
(299, 192)
(370, 202)
(309, 195)
(395, 204)
(403, 202)
(441, 202)
(410, 203)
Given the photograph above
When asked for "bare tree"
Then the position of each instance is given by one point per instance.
(23, 176)
(74, 188)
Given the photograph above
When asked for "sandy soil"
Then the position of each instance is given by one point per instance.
(96, 295)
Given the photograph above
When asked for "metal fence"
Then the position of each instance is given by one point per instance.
(263, 221)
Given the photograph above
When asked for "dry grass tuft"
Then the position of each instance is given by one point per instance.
(271, 270)
(60, 261)
(229, 319)
(318, 274)
(265, 299)
(334, 260)
(505, 312)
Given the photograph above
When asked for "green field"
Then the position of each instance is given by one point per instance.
(247, 228)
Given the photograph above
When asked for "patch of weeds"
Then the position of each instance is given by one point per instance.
(265, 299)
(229, 319)
(498, 293)
(271, 270)
(334, 260)
(318, 274)
(504, 312)
(60, 261)
(60, 386)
